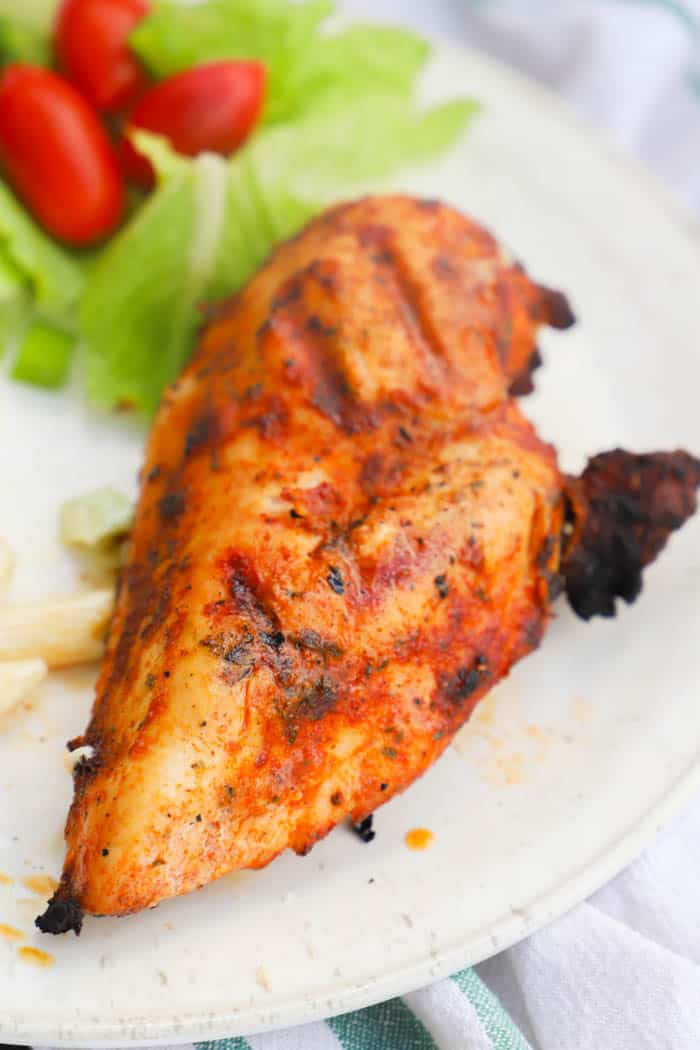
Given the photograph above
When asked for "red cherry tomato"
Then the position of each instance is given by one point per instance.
(93, 51)
(57, 156)
(209, 108)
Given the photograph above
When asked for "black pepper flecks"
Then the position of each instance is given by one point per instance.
(364, 829)
(467, 679)
(237, 653)
(443, 587)
(312, 640)
(172, 505)
(316, 325)
(317, 700)
(335, 580)
(200, 433)
(273, 639)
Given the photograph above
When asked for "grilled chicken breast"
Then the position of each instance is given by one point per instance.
(347, 533)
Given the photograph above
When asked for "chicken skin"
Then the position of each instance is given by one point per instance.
(347, 534)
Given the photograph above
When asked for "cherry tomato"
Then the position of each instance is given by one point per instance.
(57, 156)
(209, 108)
(93, 51)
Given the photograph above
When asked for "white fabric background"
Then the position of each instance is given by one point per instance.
(626, 64)
(622, 971)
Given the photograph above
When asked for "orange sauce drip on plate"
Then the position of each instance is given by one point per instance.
(419, 838)
(44, 885)
(5, 880)
(10, 932)
(36, 956)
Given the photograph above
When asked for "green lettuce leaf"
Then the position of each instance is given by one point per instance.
(138, 315)
(212, 222)
(14, 306)
(44, 356)
(360, 60)
(21, 41)
(38, 279)
(333, 150)
(49, 274)
(12, 281)
(36, 13)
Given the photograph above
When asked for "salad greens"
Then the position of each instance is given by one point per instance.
(26, 37)
(340, 113)
(40, 285)
(44, 356)
(139, 311)
(36, 13)
(22, 41)
(52, 276)
(11, 279)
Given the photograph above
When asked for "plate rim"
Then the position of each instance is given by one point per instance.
(515, 925)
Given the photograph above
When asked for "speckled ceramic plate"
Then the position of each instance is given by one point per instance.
(565, 772)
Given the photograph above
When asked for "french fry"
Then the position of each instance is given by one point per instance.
(7, 564)
(62, 632)
(18, 678)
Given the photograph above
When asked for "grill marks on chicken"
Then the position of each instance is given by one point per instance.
(347, 533)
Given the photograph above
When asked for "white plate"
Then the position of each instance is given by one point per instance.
(566, 771)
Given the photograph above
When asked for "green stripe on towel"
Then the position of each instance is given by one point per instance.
(383, 1026)
(224, 1044)
(496, 1022)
